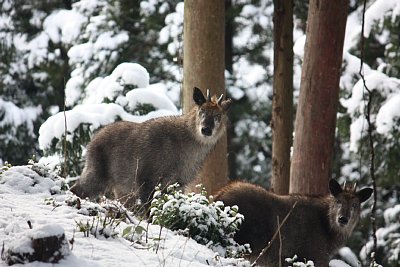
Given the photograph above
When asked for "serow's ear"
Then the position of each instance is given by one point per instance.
(198, 96)
(334, 187)
(364, 194)
(226, 104)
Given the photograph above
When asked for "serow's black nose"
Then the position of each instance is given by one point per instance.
(343, 220)
(206, 131)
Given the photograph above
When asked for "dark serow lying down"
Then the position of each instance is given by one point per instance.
(314, 230)
(126, 160)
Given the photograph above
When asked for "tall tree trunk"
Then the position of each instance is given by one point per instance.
(319, 93)
(282, 104)
(204, 66)
(229, 32)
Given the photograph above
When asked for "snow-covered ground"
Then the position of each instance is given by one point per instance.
(25, 195)
(31, 196)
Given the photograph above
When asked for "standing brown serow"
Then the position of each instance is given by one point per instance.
(126, 160)
(314, 230)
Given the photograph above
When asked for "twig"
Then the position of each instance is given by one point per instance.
(180, 64)
(275, 235)
(65, 140)
(280, 243)
(371, 141)
(159, 237)
(3, 254)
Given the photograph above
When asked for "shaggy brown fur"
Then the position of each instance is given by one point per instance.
(127, 160)
(316, 227)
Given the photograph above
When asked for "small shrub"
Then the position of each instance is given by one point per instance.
(5, 167)
(294, 262)
(207, 222)
(106, 218)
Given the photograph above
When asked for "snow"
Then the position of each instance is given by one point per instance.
(374, 80)
(131, 73)
(40, 200)
(391, 214)
(298, 47)
(64, 26)
(377, 11)
(172, 32)
(385, 86)
(109, 41)
(385, 119)
(338, 263)
(110, 86)
(95, 110)
(12, 115)
(249, 75)
(141, 96)
(348, 256)
(50, 214)
(96, 115)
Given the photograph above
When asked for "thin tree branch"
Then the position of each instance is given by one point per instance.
(280, 243)
(371, 141)
(265, 249)
(65, 171)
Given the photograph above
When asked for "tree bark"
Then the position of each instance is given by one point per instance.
(204, 66)
(311, 165)
(282, 103)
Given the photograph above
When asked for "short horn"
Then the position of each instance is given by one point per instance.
(355, 187)
(344, 184)
(208, 95)
(219, 101)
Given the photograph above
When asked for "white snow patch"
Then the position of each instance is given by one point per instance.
(387, 114)
(348, 255)
(15, 116)
(377, 11)
(145, 96)
(338, 263)
(64, 26)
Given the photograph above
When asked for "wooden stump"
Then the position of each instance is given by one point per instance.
(46, 245)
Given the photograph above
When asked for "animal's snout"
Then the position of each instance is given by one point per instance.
(206, 131)
(343, 220)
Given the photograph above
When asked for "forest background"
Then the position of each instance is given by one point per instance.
(55, 52)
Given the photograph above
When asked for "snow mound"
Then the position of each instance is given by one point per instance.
(27, 179)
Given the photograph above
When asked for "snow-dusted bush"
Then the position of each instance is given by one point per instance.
(296, 262)
(207, 222)
(33, 178)
(123, 95)
(388, 238)
(385, 115)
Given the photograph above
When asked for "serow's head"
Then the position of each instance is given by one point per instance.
(211, 114)
(346, 205)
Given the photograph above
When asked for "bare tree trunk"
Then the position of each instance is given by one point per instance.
(204, 66)
(282, 104)
(319, 93)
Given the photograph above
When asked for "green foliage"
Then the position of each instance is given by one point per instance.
(6, 166)
(207, 222)
(388, 237)
(106, 219)
(99, 226)
(391, 47)
(74, 146)
(142, 109)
